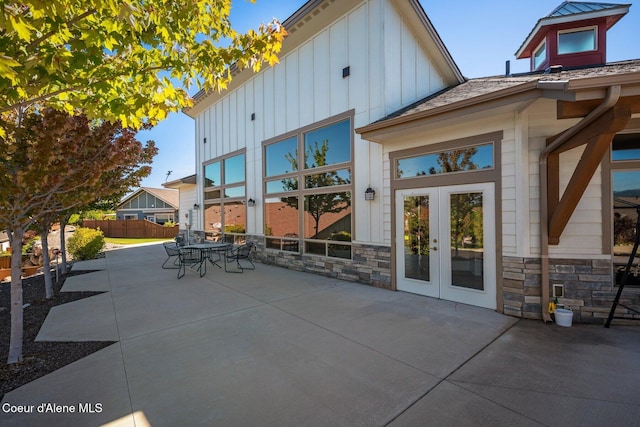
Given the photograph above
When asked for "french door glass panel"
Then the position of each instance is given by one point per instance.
(416, 237)
(467, 236)
(417, 260)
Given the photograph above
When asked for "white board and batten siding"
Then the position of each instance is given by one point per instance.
(388, 70)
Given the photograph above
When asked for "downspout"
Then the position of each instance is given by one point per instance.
(613, 94)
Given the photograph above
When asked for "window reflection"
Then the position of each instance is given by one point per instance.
(467, 244)
(326, 221)
(626, 147)
(231, 192)
(328, 179)
(328, 145)
(281, 185)
(234, 169)
(282, 221)
(235, 217)
(281, 157)
(458, 160)
(224, 196)
(327, 215)
(212, 175)
(626, 196)
(213, 221)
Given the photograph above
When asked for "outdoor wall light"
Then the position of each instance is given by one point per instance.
(251, 203)
(196, 206)
(369, 194)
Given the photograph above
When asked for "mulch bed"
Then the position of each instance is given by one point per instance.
(39, 358)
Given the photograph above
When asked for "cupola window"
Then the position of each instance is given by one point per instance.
(540, 55)
(582, 40)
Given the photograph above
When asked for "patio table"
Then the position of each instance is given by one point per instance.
(206, 251)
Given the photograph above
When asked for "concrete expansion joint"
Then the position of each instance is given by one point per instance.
(453, 371)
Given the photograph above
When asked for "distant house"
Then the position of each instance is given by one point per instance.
(5, 244)
(186, 188)
(157, 205)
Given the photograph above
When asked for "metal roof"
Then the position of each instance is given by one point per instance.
(576, 7)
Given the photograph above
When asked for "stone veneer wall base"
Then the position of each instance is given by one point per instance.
(370, 264)
(588, 289)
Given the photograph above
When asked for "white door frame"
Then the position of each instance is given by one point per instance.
(440, 285)
(429, 288)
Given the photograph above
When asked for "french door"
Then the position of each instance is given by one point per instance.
(445, 243)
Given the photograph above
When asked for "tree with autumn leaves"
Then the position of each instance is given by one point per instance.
(52, 162)
(126, 61)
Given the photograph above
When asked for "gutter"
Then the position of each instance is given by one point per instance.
(613, 94)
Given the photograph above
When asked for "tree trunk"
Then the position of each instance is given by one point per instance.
(63, 245)
(17, 327)
(46, 261)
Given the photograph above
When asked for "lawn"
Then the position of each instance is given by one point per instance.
(131, 241)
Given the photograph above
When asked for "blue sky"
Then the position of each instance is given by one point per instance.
(480, 35)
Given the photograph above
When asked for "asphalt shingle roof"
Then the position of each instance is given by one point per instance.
(477, 87)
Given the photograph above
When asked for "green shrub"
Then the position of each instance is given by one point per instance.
(234, 228)
(86, 243)
(28, 241)
(343, 236)
(75, 219)
(96, 214)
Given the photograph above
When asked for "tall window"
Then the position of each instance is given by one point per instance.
(308, 187)
(225, 215)
(625, 166)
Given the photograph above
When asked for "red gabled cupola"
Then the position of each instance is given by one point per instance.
(573, 35)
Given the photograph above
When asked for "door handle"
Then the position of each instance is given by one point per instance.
(434, 248)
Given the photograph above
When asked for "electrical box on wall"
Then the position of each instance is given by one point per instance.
(558, 290)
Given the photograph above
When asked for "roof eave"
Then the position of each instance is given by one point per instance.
(368, 130)
(444, 60)
(191, 179)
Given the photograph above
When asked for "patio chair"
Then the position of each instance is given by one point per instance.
(240, 253)
(187, 257)
(172, 255)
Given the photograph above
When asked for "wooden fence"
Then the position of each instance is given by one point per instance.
(132, 228)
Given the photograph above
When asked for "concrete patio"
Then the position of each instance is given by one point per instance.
(274, 347)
